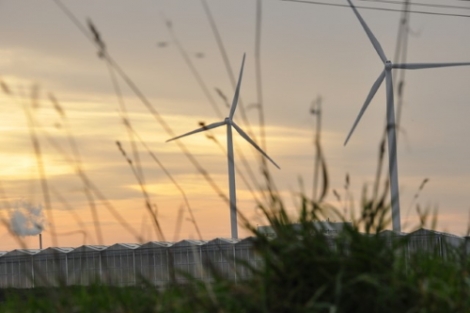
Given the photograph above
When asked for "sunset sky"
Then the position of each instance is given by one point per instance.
(306, 51)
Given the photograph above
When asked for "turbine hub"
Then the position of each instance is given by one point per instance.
(388, 65)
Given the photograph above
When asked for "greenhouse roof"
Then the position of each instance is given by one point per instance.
(22, 252)
(163, 244)
(124, 245)
(58, 249)
(189, 242)
(90, 247)
(130, 245)
(226, 240)
(423, 231)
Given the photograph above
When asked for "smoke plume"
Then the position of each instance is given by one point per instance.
(27, 219)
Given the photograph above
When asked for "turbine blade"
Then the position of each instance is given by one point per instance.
(371, 95)
(418, 66)
(244, 135)
(237, 90)
(207, 127)
(369, 33)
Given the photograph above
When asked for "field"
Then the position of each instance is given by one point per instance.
(89, 163)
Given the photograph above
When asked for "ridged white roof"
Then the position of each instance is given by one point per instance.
(58, 249)
(190, 242)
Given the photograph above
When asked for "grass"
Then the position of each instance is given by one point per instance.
(303, 269)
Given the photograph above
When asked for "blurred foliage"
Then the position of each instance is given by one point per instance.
(304, 269)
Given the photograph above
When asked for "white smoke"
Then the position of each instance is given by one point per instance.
(27, 219)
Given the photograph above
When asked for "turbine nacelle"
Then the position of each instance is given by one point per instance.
(231, 166)
(391, 129)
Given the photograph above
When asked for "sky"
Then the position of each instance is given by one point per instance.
(306, 51)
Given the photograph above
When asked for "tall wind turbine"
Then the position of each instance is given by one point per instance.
(231, 165)
(391, 127)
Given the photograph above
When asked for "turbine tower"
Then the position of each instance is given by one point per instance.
(231, 165)
(391, 127)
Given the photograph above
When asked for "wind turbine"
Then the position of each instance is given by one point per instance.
(391, 127)
(231, 165)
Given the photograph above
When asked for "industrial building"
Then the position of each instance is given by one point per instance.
(158, 263)
(155, 263)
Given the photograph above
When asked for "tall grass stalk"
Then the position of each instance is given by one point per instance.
(303, 268)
